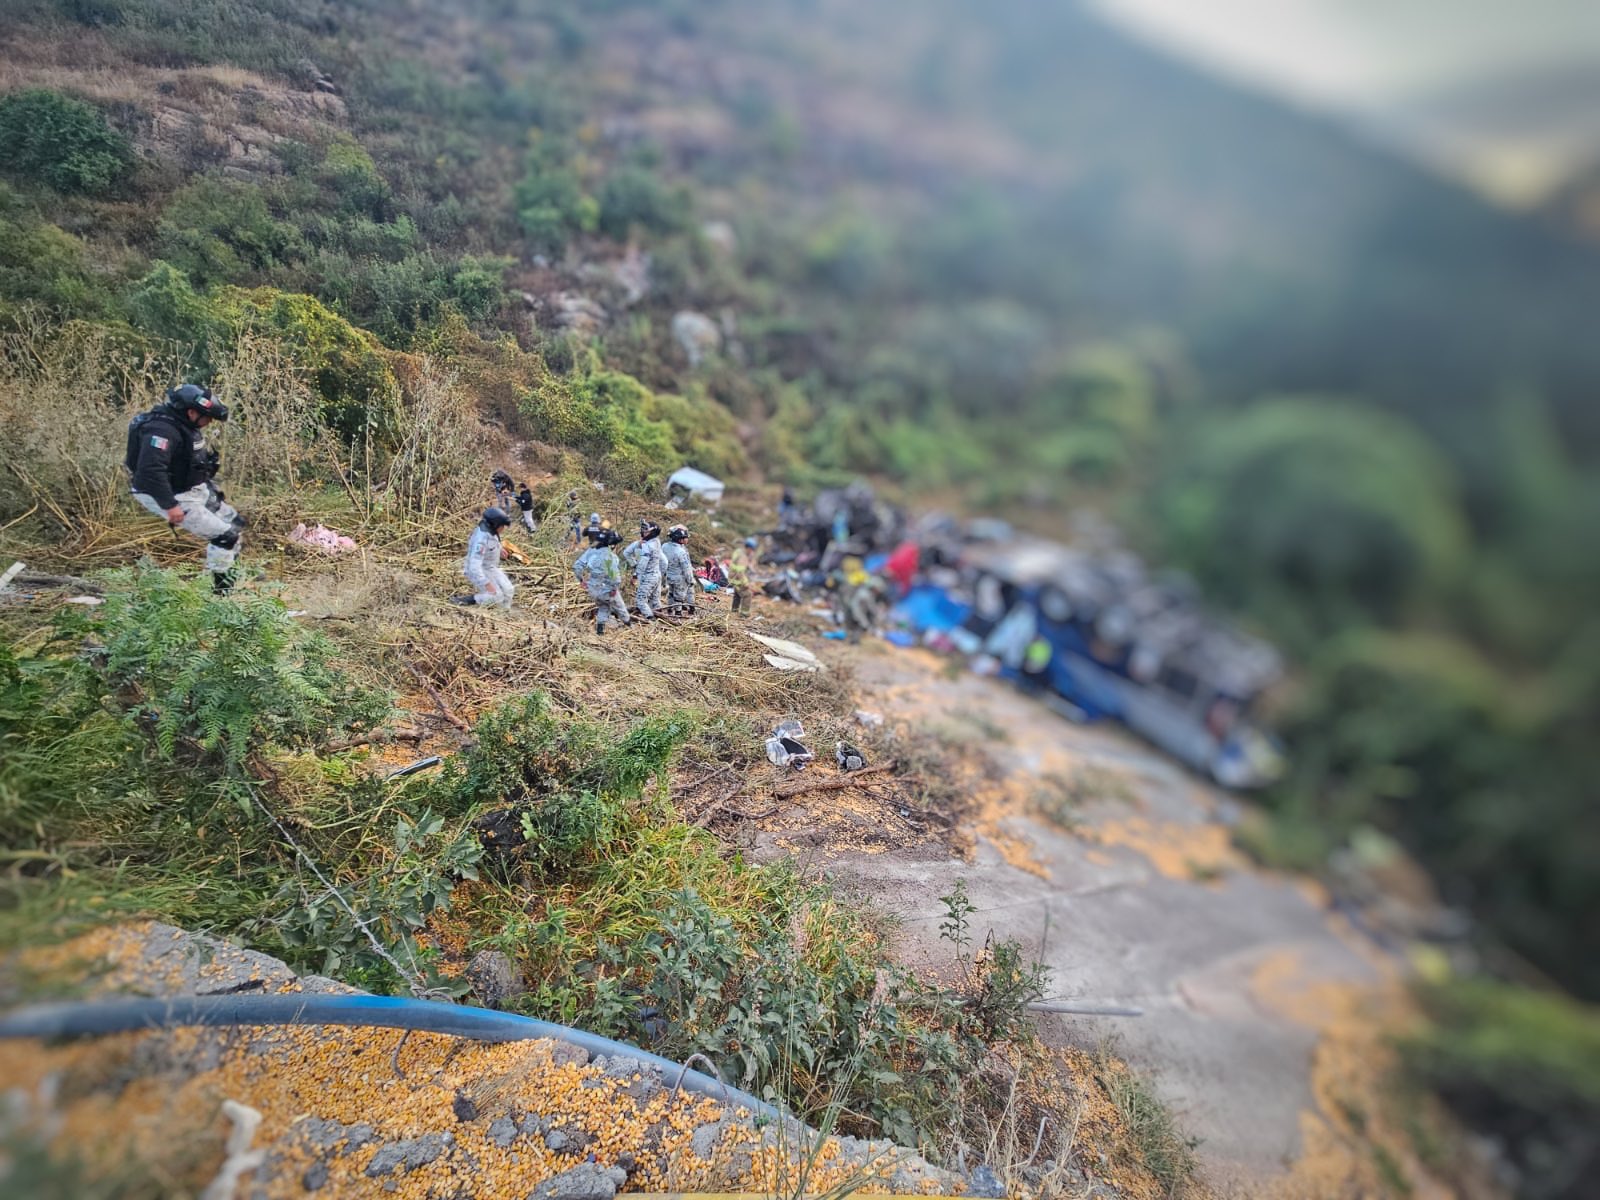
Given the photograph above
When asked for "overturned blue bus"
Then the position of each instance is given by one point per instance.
(1122, 644)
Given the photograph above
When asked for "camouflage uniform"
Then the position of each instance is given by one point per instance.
(680, 575)
(646, 560)
(600, 573)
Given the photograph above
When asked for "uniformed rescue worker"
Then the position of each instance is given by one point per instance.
(171, 471)
(681, 585)
(644, 556)
(525, 503)
(600, 572)
(740, 565)
(491, 585)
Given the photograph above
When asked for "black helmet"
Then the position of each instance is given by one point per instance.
(495, 519)
(648, 530)
(679, 533)
(501, 481)
(191, 395)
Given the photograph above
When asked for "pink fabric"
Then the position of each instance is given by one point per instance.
(321, 538)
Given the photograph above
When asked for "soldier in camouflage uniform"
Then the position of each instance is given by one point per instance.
(681, 585)
(644, 556)
(600, 573)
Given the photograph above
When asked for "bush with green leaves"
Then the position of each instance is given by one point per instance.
(163, 302)
(550, 200)
(1364, 518)
(223, 675)
(222, 231)
(64, 143)
(359, 393)
(42, 264)
(633, 197)
(418, 873)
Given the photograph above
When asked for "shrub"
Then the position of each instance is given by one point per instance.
(61, 141)
(228, 674)
(42, 264)
(634, 196)
(550, 200)
(165, 303)
(1521, 1067)
(220, 231)
(358, 390)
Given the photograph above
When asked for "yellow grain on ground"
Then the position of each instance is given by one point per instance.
(1362, 1137)
(1178, 851)
(151, 1103)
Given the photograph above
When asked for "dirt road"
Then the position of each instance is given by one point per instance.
(1132, 895)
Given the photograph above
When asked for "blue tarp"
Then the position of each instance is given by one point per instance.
(926, 607)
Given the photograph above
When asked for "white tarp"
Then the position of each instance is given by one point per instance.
(698, 484)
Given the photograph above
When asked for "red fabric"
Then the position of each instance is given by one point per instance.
(902, 565)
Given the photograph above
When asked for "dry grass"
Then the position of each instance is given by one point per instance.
(66, 396)
(220, 95)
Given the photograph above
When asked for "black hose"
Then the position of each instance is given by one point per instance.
(90, 1019)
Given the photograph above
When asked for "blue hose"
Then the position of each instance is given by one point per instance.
(53, 1021)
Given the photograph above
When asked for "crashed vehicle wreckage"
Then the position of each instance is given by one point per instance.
(1094, 632)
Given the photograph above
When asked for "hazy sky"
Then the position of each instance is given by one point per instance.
(1354, 53)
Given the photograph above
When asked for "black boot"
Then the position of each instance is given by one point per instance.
(599, 626)
(467, 600)
(222, 582)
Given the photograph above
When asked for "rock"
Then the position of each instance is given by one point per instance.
(323, 986)
(562, 1053)
(533, 1125)
(586, 1181)
(984, 1182)
(573, 313)
(326, 1134)
(464, 1107)
(315, 1177)
(567, 1139)
(411, 1154)
(503, 1131)
(703, 1141)
(697, 335)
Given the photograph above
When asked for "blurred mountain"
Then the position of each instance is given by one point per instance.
(1520, 135)
(1032, 152)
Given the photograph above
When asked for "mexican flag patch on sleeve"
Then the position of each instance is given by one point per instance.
(160, 443)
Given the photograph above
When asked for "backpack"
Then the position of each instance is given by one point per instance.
(136, 430)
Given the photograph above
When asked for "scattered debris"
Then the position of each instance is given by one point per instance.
(12, 572)
(784, 748)
(422, 764)
(695, 485)
(788, 656)
(240, 1158)
(871, 720)
(848, 757)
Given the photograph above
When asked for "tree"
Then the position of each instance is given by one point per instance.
(1316, 515)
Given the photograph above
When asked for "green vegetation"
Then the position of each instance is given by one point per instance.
(1162, 1146)
(167, 771)
(1355, 404)
(1524, 1064)
(61, 142)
